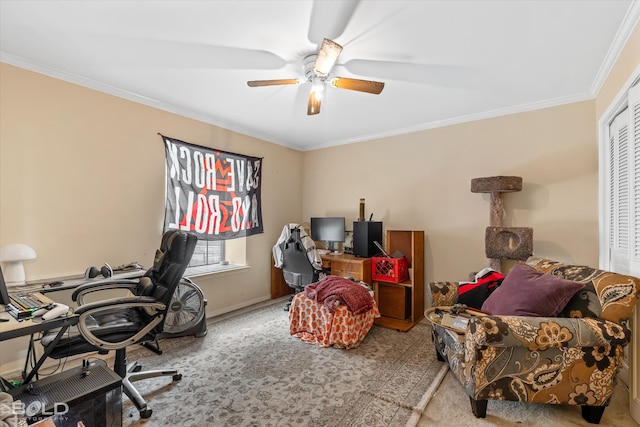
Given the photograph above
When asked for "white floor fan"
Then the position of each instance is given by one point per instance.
(186, 313)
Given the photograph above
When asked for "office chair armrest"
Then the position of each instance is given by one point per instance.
(102, 285)
(117, 302)
(147, 303)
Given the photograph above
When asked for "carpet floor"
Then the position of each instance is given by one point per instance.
(450, 407)
(248, 371)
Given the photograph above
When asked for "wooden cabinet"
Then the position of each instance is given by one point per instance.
(401, 305)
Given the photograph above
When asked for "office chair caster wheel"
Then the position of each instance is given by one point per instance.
(177, 377)
(146, 413)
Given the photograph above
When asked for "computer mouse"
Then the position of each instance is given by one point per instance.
(57, 311)
(43, 310)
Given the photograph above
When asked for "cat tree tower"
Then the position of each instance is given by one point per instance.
(515, 243)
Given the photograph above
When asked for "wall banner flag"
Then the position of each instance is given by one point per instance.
(214, 193)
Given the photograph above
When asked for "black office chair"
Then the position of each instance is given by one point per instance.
(116, 323)
(296, 267)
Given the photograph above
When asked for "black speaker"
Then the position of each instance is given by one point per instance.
(364, 234)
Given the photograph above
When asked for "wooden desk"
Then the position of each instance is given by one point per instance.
(337, 265)
(349, 265)
(31, 326)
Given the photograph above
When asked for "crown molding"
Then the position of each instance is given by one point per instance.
(629, 23)
(76, 79)
(490, 114)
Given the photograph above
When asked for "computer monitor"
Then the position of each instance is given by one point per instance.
(4, 294)
(328, 229)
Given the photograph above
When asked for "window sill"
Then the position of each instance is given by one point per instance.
(205, 270)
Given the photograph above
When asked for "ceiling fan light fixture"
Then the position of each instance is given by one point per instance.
(329, 52)
(318, 87)
(315, 100)
(316, 67)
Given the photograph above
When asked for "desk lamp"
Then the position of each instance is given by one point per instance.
(13, 255)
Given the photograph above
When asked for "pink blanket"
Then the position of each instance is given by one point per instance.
(335, 290)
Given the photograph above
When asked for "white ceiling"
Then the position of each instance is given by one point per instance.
(442, 62)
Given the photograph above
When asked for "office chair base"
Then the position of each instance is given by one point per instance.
(135, 373)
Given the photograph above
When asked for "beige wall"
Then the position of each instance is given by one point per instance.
(82, 181)
(422, 181)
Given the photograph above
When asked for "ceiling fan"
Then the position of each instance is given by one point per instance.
(317, 68)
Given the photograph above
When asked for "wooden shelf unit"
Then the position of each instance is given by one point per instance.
(402, 304)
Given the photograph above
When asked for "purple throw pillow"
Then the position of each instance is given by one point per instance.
(528, 292)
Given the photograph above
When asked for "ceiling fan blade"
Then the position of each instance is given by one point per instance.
(330, 18)
(258, 83)
(152, 53)
(315, 99)
(433, 74)
(327, 56)
(368, 86)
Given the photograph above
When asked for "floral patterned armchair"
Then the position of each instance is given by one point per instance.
(571, 359)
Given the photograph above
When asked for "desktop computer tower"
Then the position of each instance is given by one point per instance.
(91, 394)
(364, 234)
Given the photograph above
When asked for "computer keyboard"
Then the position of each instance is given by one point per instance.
(22, 304)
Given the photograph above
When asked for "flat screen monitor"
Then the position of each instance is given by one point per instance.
(328, 229)
(4, 294)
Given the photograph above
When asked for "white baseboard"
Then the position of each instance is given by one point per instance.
(624, 375)
(73, 361)
(250, 305)
(58, 365)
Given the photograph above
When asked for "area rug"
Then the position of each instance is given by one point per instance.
(248, 371)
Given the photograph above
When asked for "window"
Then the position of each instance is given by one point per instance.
(620, 211)
(209, 255)
(622, 187)
(619, 194)
(207, 252)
